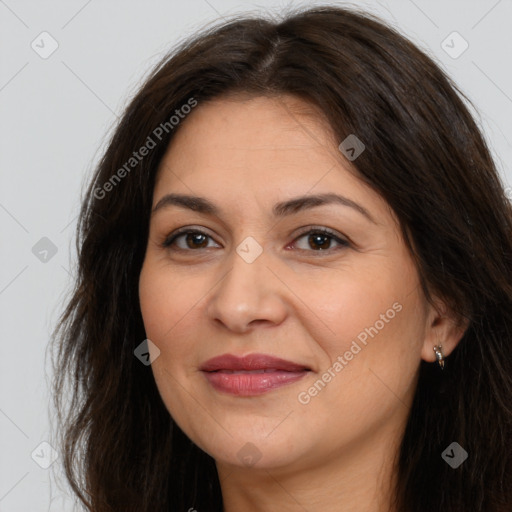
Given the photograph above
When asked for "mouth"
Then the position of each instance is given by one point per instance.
(251, 375)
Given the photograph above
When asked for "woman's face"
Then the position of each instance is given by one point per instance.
(345, 308)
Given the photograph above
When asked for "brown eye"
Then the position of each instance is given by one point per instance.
(319, 240)
(194, 239)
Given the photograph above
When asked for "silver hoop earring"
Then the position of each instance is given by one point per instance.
(438, 349)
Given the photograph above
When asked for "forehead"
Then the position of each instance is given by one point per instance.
(241, 124)
(238, 147)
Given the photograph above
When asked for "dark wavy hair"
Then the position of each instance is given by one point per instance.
(425, 155)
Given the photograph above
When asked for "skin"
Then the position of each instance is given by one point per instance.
(293, 301)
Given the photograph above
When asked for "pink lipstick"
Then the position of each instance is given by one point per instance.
(251, 375)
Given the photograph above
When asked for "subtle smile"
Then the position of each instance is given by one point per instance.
(251, 375)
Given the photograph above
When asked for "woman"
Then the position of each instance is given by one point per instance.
(294, 285)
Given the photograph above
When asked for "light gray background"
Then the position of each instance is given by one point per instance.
(55, 115)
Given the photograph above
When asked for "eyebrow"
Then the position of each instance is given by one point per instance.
(282, 209)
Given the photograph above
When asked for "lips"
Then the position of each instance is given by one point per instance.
(251, 362)
(251, 375)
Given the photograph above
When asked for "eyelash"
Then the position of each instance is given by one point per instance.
(322, 231)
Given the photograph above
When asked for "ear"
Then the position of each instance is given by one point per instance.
(443, 327)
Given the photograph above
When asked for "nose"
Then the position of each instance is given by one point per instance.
(247, 295)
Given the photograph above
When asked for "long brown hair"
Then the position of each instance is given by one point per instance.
(424, 155)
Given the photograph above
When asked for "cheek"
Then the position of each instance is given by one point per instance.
(374, 321)
(172, 306)
(358, 305)
(167, 303)
(165, 299)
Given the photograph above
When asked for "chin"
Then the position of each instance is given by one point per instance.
(250, 449)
